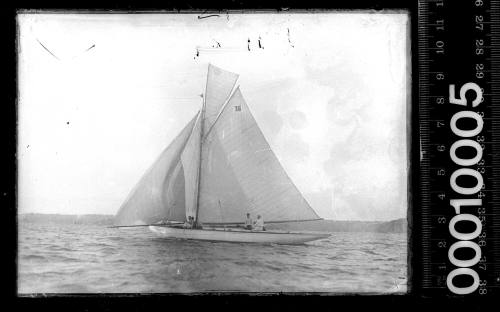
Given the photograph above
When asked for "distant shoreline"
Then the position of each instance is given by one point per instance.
(393, 226)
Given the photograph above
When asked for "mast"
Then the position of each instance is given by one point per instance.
(202, 121)
(218, 87)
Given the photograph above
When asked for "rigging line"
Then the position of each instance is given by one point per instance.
(47, 49)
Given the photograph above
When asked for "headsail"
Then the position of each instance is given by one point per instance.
(160, 193)
(219, 85)
(240, 173)
(190, 159)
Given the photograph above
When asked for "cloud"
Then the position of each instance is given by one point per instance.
(298, 149)
(297, 120)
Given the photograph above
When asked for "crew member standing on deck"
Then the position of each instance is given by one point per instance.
(248, 222)
(259, 224)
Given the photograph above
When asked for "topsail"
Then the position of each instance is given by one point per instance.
(219, 168)
(220, 83)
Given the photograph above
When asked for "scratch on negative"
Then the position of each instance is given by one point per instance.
(207, 16)
(288, 29)
(47, 49)
(90, 47)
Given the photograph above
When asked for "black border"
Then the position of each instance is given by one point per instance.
(168, 301)
(141, 301)
(125, 300)
(9, 164)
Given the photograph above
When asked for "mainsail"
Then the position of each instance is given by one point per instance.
(241, 174)
(219, 168)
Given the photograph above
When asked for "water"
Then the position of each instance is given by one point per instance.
(66, 258)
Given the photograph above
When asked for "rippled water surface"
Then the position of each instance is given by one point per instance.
(69, 258)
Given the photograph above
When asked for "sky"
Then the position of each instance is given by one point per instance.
(100, 96)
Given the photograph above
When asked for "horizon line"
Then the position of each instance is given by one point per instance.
(112, 215)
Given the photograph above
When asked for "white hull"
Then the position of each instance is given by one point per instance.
(237, 235)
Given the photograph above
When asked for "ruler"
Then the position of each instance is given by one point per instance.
(456, 246)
